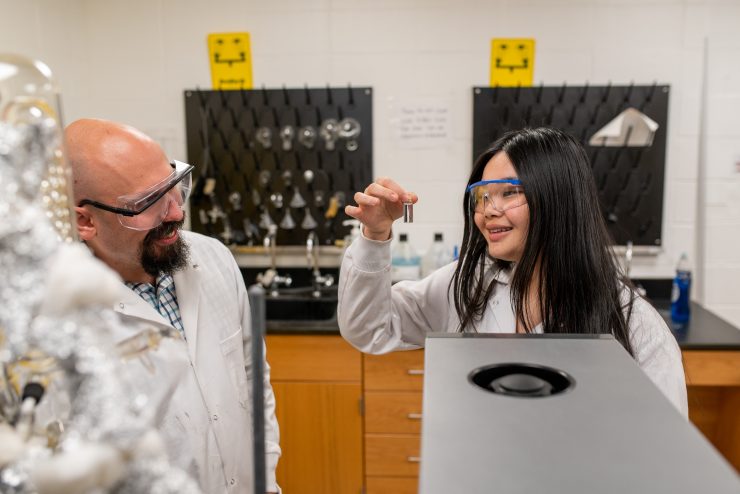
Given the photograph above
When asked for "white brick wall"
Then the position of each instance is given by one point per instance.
(130, 61)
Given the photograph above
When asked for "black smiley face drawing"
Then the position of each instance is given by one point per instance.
(513, 55)
(229, 50)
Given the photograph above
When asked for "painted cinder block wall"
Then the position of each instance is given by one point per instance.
(130, 61)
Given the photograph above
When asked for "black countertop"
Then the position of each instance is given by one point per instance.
(326, 326)
(704, 331)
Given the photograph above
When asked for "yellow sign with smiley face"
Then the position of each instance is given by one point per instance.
(231, 60)
(512, 61)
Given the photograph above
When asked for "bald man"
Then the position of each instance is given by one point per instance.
(129, 205)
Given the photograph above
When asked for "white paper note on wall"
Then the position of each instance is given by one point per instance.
(420, 123)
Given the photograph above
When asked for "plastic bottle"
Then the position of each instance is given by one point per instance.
(680, 297)
(353, 235)
(436, 256)
(405, 262)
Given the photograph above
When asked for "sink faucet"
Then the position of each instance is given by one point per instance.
(312, 254)
(270, 279)
(628, 259)
(628, 253)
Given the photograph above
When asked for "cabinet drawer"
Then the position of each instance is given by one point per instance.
(392, 455)
(392, 485)
(711, 368)
(306, 358)
(395, 371)
(393, 412)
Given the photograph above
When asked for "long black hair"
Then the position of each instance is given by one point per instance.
(567, 248)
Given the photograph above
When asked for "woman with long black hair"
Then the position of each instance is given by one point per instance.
(535, 258)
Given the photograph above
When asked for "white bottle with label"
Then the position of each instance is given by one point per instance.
(405, 262)
(436, 256)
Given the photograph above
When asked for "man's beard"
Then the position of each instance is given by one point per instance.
(156, 259)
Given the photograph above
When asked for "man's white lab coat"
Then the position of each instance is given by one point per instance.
(207, 426)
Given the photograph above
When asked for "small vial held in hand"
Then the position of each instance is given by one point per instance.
(408, 212)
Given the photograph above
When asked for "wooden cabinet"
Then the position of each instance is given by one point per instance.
(713, 381)
(393, 405)
(393, 401)
(318, 390)
(348, 420)
(392, 485)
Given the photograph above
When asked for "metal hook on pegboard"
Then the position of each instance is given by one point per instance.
(595, 114)
(652, 92)
(561, 95)
(550, 115)
(607, 91)
(628, 93)
(572, 117)
(223, 98)
(244, 97)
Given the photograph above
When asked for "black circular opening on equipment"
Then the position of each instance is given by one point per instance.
(521, 380)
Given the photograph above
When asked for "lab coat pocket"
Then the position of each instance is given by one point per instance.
(232, 350)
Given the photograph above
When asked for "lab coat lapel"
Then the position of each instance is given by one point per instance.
(187, 286)
(132, 305)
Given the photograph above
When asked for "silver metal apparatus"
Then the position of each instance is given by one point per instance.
(270, 279)
(554, 413)
(408, 212)
(312, 253)
(257, 308)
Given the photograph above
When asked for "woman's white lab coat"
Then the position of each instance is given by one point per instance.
(376, 317)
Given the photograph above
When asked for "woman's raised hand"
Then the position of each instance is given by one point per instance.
(379, 206)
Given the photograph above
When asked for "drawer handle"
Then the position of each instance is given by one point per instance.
(413, 459)
(414, 416)
(415, 372)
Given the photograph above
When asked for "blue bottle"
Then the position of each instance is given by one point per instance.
(680, 310)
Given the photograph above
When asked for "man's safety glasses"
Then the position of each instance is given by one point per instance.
(147, 209)
(501, 195)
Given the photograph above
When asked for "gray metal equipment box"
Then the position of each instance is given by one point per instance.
(555, 414)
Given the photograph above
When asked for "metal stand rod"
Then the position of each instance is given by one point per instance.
(257, 308)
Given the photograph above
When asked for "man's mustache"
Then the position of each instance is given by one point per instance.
(165, 229)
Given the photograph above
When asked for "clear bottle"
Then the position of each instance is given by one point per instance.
(353, 235)
(435, 257)
(680, 297)
(405, 262)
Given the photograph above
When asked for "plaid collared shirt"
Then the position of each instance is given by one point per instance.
(161, 296)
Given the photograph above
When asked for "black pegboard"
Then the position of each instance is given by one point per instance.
(223, 145)
(629, 180)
